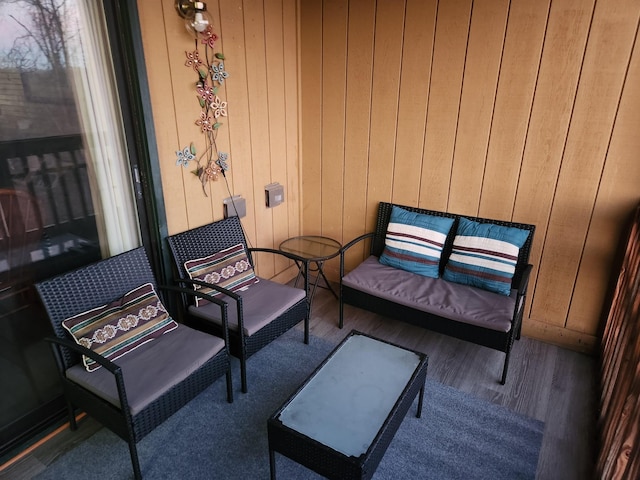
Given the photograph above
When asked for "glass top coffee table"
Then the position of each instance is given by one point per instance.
(342, 419)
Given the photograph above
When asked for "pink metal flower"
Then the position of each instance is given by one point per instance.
(204, 122)
(206, 92)
(193, 60)
(211, 172)
(209, 38)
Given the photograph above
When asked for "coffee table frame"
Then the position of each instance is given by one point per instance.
(325, 460)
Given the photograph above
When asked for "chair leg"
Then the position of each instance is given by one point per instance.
(73, 425)
(229, 386)
(243, 371)
(306, 329)
(503, 380)
(133, 451)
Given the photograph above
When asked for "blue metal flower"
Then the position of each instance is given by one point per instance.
(184, 156)
(222, 161)
(217, 72)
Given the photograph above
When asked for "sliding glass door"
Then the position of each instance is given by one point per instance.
(67, 190)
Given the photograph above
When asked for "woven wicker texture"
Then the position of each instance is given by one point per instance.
(482, 336)
(205, 240)
(97, 284)
(331, 463)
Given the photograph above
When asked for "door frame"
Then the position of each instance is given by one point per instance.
(123, 26)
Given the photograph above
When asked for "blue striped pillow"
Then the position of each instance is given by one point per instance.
(414, 241)
(485, 255)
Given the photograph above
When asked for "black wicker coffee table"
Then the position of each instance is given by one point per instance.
(340, 422)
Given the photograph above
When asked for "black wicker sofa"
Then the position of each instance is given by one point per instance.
(448, 295)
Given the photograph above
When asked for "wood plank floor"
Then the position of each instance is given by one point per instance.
(545, 382)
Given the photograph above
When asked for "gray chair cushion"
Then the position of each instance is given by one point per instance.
(153, 368)
(262, 302)
(433, 295)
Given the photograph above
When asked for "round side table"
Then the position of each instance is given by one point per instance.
(312, 251)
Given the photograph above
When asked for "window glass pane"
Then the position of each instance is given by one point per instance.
(65, 185)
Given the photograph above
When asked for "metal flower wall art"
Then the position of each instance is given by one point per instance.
(211, 76)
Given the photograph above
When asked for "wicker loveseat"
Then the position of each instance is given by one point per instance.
(443, 299)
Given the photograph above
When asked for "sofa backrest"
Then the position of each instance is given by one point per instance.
(384, 214)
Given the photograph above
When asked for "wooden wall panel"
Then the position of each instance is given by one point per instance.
(334, 51)
(529, 117)
(450, 47)
(617, 195)
(258, 93)
(518, 74)
(233, 44)
(388, 43)
(604, 69)
(290, 38)
(276, 123)
(260, 42)
(548, 126)
(357, 123)
(528, 112)
(484, 54)
(414, 93)
(311, 69)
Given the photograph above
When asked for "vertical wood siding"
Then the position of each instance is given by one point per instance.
(261, 133)
(511, 109)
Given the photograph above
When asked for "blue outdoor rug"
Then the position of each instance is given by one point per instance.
(458, 436)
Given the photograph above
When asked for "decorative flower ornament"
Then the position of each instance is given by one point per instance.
(211, 75)
(222, 161)
(186, 155)
(219, 107)
(217, 73)
(209, 38)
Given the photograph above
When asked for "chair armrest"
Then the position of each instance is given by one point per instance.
(221, 303)
(290, 256)
(524, 280)
(350, 244)
(202, 283)
(82, 350)
(362, 237)
(114, 369)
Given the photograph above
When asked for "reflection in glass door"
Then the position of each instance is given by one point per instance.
(66, 196)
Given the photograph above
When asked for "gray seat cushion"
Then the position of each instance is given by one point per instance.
(262, 302)
(462, 303)
(153, 368)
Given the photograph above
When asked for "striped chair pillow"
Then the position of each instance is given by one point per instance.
(229, 268)
(414, 241)
(115, 329)
(485, 255)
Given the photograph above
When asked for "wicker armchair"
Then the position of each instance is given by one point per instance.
(256, 316)
(136, 392)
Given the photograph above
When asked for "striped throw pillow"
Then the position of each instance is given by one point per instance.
(485, 255)
(115, 329)
(229, 268)
(414, 241)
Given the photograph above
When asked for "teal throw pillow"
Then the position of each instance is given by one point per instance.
(414, 241)
(485, 255)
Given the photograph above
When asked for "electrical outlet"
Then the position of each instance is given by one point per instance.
(274, 194)
(234, 206)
